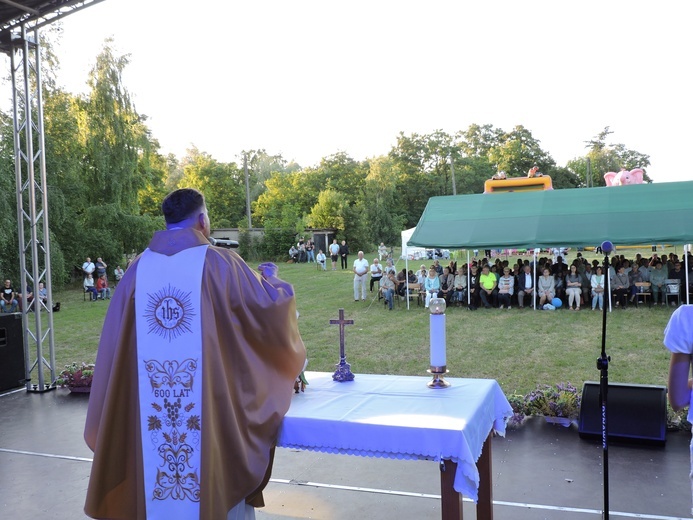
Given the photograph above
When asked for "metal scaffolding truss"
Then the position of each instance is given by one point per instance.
(34, 14)
(20, 22)
(32, 206)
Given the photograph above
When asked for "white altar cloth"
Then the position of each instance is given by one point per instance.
(398, 417)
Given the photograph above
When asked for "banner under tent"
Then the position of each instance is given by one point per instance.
(584, 217)
(411, 252)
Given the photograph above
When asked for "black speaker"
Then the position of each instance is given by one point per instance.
(12, 374)
(635, 413)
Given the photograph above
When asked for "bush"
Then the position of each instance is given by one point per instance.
(249, 247)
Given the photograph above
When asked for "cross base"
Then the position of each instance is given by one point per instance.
(343, 372)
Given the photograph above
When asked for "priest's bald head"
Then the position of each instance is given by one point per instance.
(186, 208)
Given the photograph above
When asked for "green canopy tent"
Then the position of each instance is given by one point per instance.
(625, 215)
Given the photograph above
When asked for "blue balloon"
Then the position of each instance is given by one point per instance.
(557, 302)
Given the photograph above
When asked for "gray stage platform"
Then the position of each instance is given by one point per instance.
(540, 471)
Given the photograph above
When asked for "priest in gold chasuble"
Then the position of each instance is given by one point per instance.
(194, 373)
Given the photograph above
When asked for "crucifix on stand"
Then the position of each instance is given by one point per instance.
(343, 372)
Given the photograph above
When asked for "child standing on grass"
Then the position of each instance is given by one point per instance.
(678, 338)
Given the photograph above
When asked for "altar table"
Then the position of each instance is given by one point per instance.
(400, 417)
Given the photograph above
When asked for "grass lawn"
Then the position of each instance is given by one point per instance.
(518, 348)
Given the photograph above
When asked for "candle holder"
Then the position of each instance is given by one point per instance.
(437, 306)
(438, 368)
(438, 380)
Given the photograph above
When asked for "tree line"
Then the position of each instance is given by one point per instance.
(106, 178)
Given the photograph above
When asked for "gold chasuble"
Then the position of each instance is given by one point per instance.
(194, 373)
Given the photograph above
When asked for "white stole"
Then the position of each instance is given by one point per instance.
(169, 371)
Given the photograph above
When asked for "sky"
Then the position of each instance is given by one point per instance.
(308, 79)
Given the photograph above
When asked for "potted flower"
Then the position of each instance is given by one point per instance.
(677, 420)
(558, 403)
(77, 377)
(517, 402)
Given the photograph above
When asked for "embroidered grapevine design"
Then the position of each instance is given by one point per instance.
(175, 429)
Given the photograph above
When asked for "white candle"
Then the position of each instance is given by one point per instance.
(438, 340)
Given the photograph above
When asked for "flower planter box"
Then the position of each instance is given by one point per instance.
(80, 389)
(563, 421)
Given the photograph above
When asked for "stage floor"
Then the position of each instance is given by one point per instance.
(540, 471)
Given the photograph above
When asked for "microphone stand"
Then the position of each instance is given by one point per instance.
(603, 367)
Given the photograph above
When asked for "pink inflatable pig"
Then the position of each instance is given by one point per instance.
(624, 177)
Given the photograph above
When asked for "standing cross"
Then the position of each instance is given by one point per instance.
(343, 372)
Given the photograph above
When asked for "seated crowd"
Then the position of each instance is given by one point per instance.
(579, 284)
(12, 301)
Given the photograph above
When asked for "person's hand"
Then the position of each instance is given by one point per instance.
(268, 270)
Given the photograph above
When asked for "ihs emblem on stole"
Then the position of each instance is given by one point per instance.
(169, 312)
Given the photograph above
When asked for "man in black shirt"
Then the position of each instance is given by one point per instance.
(344, 253)
(473, 287)
(8, 302)
(558, 266)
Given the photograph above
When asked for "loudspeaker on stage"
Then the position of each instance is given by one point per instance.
(635, 413)
(12, 372)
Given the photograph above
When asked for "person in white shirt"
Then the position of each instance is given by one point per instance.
(322, 260)
(376, 272)
(506, 287)
(382, 251)
(334, 253)
(118, 273)
(88, 267)
(597, 283)
(421, 275)
(360, 276)
(525, 286)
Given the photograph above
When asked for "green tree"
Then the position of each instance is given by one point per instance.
(117, 165)
(602, 158)
(517, 151)
(290, 195)
(478, 140)
(429, 155)
(328, 211)
(564, 178)
(156, 167)
(471, 173)
(422, 165)
(385, 222)
(223, 185)
(281, 209)
(343, 174)
(261, 166)
(113, 135)
(9, 264)
(68, 195)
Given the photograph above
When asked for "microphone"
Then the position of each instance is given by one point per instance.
(607, 247)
